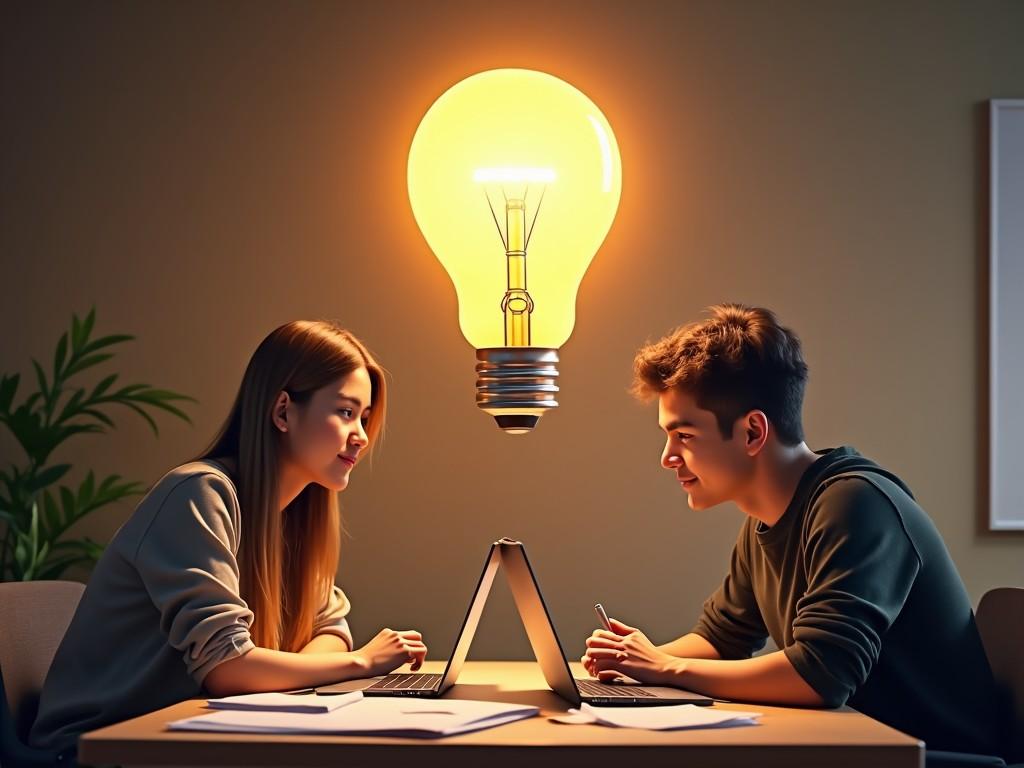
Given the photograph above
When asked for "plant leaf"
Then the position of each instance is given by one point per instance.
(26, 548)
(55, 568)
(110, 491)
(108, 481)
(71, 405)
(21, 561)
(144, 415)
(74, 429)
(33, 530)
(164, 405)
(85, 362)
(84, 547)
(87, 324)
(85, 490)
(27, 428)
(67, 500)
(98, 415)
(106, 341)
(8, 388)
(166, 394)
(103, 386)
(47, 477)
(41, 378)
(130, 388)
(59, 355)
(51, 514)
(76, 333)
(78, 545)
(90, 498)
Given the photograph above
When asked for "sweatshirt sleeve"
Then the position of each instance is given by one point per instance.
(331, 618)
(861, 565)
(731, 620)
(187, 562)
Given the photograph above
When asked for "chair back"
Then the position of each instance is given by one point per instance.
(34, 616)
(1000, 619)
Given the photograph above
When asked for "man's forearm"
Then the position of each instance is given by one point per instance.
(768, 679)
(690, 646)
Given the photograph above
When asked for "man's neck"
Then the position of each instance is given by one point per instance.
(774, 481)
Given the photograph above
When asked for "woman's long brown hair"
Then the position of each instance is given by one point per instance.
(288, 558)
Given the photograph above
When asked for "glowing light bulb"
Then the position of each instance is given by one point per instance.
(514, 179)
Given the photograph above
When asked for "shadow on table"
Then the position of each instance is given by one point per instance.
(550, 703)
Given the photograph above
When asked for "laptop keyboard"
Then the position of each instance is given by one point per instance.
(406, 683)
(592, 688)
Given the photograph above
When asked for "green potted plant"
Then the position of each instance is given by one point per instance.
(35, 513)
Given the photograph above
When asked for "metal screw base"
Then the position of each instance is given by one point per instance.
(516, 385)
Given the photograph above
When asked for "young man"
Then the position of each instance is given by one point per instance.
(835, 561)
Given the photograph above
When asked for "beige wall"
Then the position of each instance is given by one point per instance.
(204, 172)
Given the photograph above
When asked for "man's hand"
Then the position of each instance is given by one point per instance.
(627, 651)
(391, 649)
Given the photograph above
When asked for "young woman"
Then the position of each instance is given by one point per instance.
(222, 581)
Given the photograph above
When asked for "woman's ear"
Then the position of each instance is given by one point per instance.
(279, 415)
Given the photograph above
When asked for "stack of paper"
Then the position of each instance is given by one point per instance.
(659, 718)
(368, 716)
(285, 702)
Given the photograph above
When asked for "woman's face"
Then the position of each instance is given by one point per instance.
(326, 436)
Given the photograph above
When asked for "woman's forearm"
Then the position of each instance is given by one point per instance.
(326, 643)
(262, 669)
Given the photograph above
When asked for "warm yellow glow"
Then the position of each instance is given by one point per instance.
(606, 154)
(507, 161)
(545, 175)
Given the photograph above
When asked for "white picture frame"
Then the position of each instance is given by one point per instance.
(1006, 315)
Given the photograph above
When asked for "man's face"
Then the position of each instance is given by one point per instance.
(710, 469)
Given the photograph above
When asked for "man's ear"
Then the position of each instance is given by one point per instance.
(755, 432)
(279, 414)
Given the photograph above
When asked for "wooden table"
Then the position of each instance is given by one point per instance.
(786, 738)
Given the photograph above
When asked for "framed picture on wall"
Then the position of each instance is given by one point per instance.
(1006, 319)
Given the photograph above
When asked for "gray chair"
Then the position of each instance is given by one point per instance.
(1001, 623)
(1000, 618)
(34, 616)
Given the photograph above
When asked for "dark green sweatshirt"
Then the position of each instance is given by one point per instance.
(855, 585)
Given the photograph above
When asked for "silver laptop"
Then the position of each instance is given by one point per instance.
(548, 650)
(422, 684)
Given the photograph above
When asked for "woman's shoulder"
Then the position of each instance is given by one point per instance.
(201, 487)
(195, 476)
(201, 481)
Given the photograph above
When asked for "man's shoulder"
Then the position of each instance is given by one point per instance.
(861, 510)
(857, 498)
(849, 479)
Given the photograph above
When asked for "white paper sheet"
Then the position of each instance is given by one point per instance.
(381, 716)
(659, 718)
(308, 703)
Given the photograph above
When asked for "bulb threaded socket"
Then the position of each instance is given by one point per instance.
(516, 385)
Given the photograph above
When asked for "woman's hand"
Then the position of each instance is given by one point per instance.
(627, 651)
(391, 649)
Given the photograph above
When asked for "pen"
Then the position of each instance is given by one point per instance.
(603, 616)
